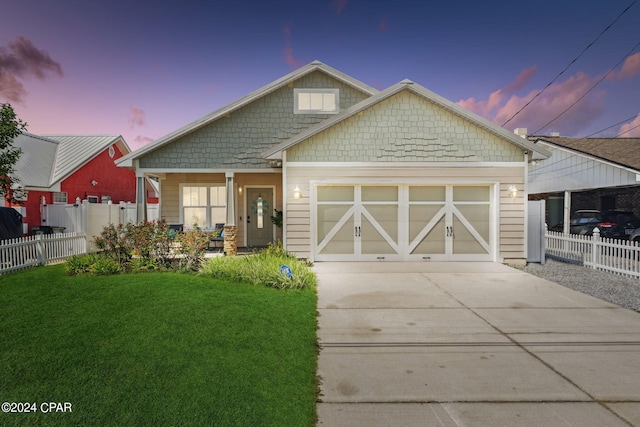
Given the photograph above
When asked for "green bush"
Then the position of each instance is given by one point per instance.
(263, 268)
(80, 264)
(139, 265)
(105, 267)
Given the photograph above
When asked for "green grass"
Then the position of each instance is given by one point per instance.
(156, 349)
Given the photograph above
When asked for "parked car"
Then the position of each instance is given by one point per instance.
(10, 223)
(612, 224)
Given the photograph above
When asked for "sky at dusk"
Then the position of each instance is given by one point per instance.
(143, 69)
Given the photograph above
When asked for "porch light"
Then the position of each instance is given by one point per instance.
(297, 193)
(513, 192)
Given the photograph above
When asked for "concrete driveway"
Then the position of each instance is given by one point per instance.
(470, 344)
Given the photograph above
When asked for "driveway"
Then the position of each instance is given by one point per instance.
(470, 344)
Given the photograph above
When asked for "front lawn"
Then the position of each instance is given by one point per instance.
(156, 349)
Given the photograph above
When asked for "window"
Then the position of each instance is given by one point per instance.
(92, 199)
(316, 101)
(106, 199)
(203, 205)
(60, 197)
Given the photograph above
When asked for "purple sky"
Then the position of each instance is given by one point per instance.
(144, 69)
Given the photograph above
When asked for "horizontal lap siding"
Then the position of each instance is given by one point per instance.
(511, 226)
(170, 190)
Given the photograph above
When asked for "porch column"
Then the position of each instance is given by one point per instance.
(230, 240)
(141, 198)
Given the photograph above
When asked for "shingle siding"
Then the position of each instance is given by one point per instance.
(237, 140)
(405, 128)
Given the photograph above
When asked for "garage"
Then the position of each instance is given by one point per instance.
(404, 222)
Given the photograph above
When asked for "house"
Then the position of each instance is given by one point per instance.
(586, 173)
(401, 174)
(56, 169)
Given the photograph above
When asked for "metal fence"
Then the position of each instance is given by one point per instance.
(613, 255)
(42, 249)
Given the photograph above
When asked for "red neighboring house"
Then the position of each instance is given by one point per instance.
(62, 168)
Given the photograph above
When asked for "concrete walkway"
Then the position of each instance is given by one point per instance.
(470, 344)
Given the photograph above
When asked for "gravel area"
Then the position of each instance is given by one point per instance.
(619, 290)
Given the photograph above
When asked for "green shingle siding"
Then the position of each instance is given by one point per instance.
(405, 128)
(238, 140)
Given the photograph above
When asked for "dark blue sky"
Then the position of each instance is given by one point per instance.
(145, 69)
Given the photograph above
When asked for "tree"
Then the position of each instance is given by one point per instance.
(10, 128)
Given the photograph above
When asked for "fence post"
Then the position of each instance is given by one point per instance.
(594, 247)
(41, 249)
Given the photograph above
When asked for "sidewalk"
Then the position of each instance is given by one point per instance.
(473, 344)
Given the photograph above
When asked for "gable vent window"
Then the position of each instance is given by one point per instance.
(316, 101)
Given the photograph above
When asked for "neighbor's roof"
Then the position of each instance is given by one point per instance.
(276, 151)
(48, 159)
(126, 161)
(622, 151)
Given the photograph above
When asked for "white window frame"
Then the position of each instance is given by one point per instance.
(209, 222)
(58, 201)
(105, 199)
(298, 109)
(93, 199)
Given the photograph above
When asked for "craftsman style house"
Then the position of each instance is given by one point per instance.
(359, 174)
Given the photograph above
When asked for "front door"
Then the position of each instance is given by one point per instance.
(259, 211)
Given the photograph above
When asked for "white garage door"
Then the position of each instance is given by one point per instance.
(404, 222)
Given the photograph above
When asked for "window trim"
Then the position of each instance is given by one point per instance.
(66, 198)
(209, 223)
(297, 91)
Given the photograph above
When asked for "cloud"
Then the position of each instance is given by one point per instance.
(19, 60)
(631, 129)
(287, 51)
(384, 24)
(502, 104)
(137, 117)
(338, 6)
(630, 68)
(142, 140)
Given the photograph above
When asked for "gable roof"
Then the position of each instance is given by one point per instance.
(48, 159)
(621, 151)
(127, 161)
(276, 151)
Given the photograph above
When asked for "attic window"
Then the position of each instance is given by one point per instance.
(316, 101)
(112, 151)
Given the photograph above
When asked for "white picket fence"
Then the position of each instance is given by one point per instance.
(613, 255)
(25, 252)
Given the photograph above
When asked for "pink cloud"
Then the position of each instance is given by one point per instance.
(141, 141)
(631, 129)
(502, 104)
(137, 117)
(630, 68)
(384, 24)
(287, 51)
(20, 60)
(338, 6)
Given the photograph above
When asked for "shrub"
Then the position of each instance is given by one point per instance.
(263, 268)
(116, 243)
(151, 240)
(191, 247)
(80, 264)
(140, 265)
(105, 267)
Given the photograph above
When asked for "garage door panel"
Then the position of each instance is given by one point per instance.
(464, 241)
(478, 217)
(433, 242)
(340, 240)
(373, 241)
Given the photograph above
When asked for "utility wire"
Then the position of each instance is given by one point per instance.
(590, 89)
(570, 64)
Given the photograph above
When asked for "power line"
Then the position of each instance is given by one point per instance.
(571, 63)
(590, 89)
